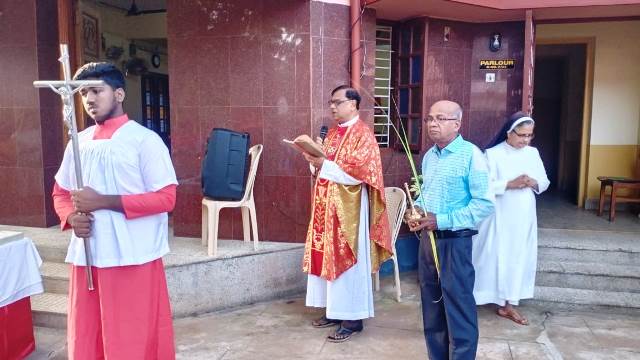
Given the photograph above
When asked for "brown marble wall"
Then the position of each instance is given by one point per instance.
(453, 73)
(30, 122)
(261, 66)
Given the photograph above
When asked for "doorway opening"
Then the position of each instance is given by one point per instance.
(559, 110)
(133, 36)
(155, 105)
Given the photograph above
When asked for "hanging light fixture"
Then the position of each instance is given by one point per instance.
(495, 42)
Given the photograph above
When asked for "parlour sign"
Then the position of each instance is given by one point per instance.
(497, 64)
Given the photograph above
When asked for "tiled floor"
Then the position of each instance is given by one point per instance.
(281, 330)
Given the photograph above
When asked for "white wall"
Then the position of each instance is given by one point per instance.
(616, 86)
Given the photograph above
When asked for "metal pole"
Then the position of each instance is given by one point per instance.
(73, 132)
(356, 50)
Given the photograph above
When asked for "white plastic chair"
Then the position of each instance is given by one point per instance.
(211, 210)
(396, 205)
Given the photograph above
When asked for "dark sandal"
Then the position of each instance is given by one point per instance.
(323, 322)
(342, 334)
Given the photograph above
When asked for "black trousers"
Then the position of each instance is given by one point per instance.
(448, 306)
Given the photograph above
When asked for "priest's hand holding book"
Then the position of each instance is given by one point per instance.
(306, 145)
(310, 149)
(316, 162)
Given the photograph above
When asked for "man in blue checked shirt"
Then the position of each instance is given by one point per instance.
(454, 199)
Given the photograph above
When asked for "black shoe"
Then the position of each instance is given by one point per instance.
(343, 334)
(324, 322)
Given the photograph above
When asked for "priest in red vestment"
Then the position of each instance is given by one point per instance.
(348, 236)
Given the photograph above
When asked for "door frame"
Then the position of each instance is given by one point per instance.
(167, 106)
(585, 138)
(68, 34)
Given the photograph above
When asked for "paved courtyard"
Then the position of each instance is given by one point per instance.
(281, 330)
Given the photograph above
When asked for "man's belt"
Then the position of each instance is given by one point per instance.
(449, 234)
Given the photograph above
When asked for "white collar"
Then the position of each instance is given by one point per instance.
(350, 122)
(511, 148)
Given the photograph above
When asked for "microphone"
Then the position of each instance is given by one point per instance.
(323, 132)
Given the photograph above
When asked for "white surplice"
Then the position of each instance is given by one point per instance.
(133, 161)
(350, 296)
(505, 249)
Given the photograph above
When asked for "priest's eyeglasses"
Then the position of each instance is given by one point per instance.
(337, 102)
(438, 119)
(524, 136)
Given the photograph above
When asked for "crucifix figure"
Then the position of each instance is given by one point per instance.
(66, 89)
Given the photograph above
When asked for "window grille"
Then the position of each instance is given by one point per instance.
(382, 93)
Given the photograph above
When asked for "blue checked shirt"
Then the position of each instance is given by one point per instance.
(456, 185)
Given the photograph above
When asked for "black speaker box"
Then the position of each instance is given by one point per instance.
(225, 165)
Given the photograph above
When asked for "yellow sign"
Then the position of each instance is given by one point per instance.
(497, 64)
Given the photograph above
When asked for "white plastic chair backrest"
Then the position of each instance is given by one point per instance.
(396, 205)
(255, 151)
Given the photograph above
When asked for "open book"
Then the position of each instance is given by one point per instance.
(304, 143)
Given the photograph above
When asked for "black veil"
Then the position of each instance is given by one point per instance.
(502, 133)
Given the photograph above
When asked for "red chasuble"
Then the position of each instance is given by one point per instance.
(332, 237)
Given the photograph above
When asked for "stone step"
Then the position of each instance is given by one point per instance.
(49, 310)
(51, 242)
(586, 297)
(590, 240)
(198, 283)
(51, 253)
(591, 276)
(51, 250)
(593, 256)
(554, 244)
(608, 247)
(586, 268)
(55, 277)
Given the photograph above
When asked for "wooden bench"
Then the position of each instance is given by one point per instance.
(616, 184)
